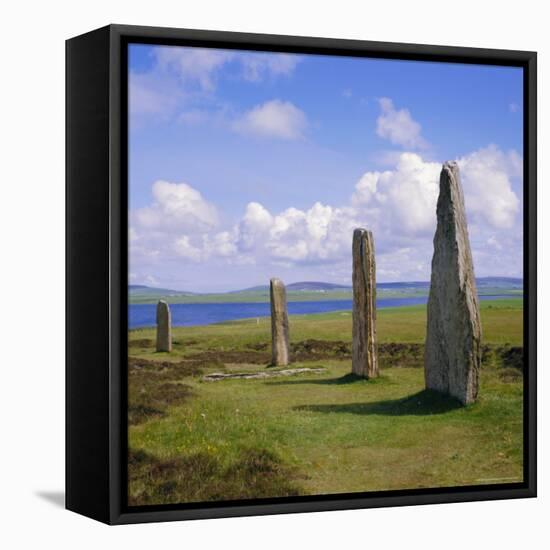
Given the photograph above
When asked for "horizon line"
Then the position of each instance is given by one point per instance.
(342, 285)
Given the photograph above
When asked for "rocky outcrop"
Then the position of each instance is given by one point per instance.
(164, 327)
(452, 356)
(279, 324)
(364, 353)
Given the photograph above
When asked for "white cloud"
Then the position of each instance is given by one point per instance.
(398, 126)
(275, 118)
(193, 65)
(410, 263)
(258, 66)
(181, 78)
(177, 205)
(404, 197)
(221, 244)
(319, 234)
(253, 226)
(201, 66)
(407, 194)
(486, 176)
(398, 205)
(184, 248)
(202, 247)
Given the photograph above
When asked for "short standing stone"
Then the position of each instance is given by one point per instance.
(452, 356)
(279, 323)
(364, 360)
(164, 327)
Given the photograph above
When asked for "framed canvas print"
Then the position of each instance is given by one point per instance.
(301, 274)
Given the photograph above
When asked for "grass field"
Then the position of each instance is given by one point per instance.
(192, 440)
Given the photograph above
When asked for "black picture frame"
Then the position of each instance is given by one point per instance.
(96, 271)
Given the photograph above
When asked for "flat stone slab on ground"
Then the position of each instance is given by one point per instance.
(251, 375)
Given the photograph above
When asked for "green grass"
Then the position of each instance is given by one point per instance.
(318, 434)
(502, 322)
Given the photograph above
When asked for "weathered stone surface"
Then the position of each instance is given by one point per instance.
(364, 360)
(452, 356)
(279, 323)
(215, 376)
(164, 327)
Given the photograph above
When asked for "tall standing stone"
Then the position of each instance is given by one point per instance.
(452, 356)
(164, 327)
(279, 323)
(364, 360)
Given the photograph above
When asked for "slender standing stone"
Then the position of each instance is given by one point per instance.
(452, 356)
(279, 324)
(164, 327)
(364, 360)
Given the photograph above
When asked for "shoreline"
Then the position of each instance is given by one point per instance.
(486, 301)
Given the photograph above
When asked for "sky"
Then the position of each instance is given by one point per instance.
(249, 165)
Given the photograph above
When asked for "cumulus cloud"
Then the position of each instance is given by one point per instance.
(179, 223)
(318, 234)
(253, 226)
(222, 244)
(398, 126)
(407, 195)
(398, 205)
(184, 248)
(275, 119)
(177, 205)
(199, 248)
(486, 176)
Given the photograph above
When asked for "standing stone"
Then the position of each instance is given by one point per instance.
(452, 356)
(364, 360)
(164, 327)
(279, 324)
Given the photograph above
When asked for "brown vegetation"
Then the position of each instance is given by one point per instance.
(200, 477)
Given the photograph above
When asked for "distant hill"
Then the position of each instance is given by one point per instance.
(500, 282)
(144, 290)
(312, 286)
(258, 288)
(314, 291)
(410, 284)
(481, 282)
(309, 286)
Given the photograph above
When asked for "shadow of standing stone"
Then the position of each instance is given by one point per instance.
(364, 361)
(279, 324)
(453, 340)
(164, 327)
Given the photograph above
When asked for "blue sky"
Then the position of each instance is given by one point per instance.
(247, 165)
